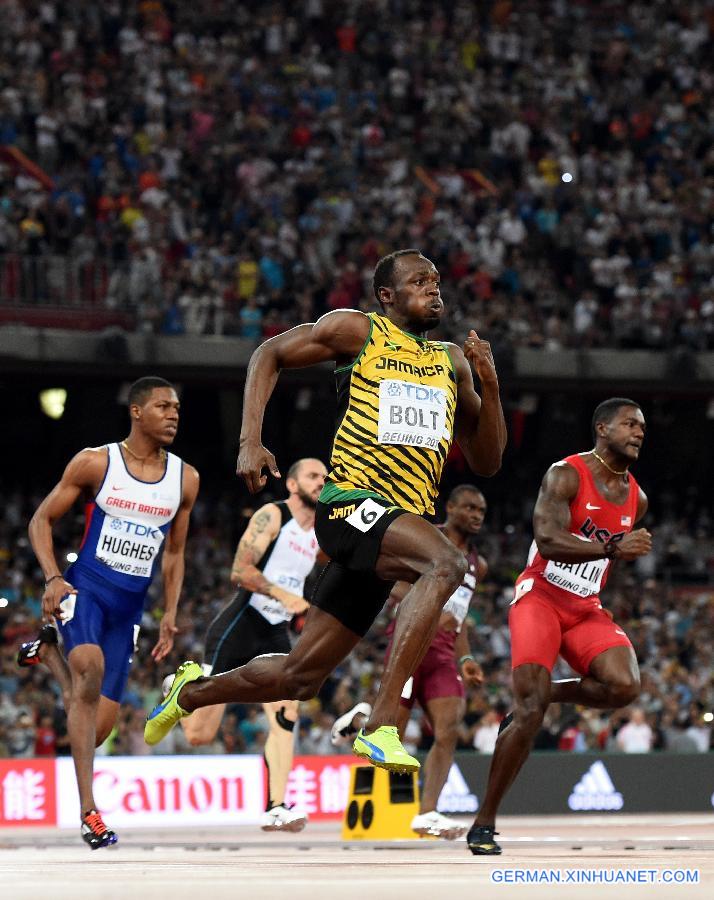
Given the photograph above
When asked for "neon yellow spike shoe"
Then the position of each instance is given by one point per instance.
(384, 750)
(166, 714)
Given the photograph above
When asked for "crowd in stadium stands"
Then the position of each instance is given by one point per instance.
(669, 622)
(238, 166)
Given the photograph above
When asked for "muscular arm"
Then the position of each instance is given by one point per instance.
(173, 563)
(480, 428)
(642, 505)
(470, 670)
(551, 519)
(83, 473)
(551, 523)
(262, 530)
(338, 336)
(461, 645)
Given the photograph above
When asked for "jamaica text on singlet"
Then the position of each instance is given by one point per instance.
(396, 406)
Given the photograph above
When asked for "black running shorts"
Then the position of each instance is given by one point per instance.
(239, 633)
(350, 531)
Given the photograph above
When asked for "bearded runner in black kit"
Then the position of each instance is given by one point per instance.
(274, 557)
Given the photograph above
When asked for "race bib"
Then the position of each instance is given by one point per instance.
(458, 602)
(583, 579)
(129, 547)
(366, 514)
(67, 605)
(411, 414)
(271, 609)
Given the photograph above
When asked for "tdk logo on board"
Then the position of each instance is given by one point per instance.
(455, 795)
(595, 790)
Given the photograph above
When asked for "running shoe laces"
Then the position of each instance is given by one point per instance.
(94, 832)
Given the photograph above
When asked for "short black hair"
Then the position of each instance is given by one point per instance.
(607, 410)
(460, 489)
(384, 270)
(141, 389)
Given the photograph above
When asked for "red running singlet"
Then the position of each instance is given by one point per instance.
(556, 607)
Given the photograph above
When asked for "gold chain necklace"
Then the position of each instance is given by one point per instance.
(609, 468)
(162, 453)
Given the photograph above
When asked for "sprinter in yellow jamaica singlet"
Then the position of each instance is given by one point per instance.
(402, 400)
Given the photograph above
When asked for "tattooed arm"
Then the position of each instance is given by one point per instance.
(262, 530)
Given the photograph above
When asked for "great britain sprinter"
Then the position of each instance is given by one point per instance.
(402, 400)
(138, 501)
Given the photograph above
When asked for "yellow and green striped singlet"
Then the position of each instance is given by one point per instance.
(395, 419)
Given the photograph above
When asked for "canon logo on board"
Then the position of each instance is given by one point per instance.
(200, 793)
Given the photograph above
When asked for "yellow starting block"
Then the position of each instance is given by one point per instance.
(380, 806)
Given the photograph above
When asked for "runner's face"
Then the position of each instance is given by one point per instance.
(416, 294)
(467, 513)
(159, 416)
(625, 433)
(309, 482)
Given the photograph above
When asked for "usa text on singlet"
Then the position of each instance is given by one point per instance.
(127, 522)
(592, 518)
(395, 420)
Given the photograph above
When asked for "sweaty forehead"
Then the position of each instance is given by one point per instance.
(409, 266)
(162, 395)
(630, 412)
(471, 498)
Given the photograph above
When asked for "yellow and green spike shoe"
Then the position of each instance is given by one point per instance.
(384, 750)
(166, 714)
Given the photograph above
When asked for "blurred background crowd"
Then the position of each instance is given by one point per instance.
(668, 617)
(237, 166)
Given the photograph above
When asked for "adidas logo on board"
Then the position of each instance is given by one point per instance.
(595, 790)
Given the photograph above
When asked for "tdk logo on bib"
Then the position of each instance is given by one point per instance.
(134, 528)
(416, 392)
(411, 414)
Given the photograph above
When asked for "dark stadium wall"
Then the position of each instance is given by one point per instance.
(676, 467)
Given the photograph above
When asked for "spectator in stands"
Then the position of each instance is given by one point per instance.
(487, 732)
(522, 165)
(635, 736)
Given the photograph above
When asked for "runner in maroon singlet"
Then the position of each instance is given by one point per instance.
(438, 682)
(437, 685)
(583, 519)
